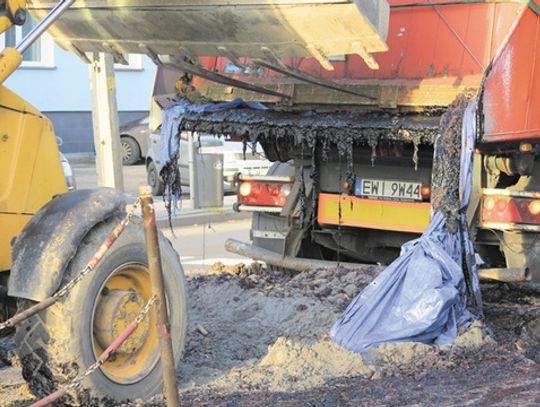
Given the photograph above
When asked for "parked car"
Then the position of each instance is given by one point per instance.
(68, 173)
(134, 140)
(233, 160)
(66, 167)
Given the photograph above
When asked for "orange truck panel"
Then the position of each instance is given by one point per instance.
(373, 213)
(434, 53)
(510, 103)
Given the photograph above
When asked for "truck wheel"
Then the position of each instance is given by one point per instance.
(61, 342)
(131, 152)
(154, 180)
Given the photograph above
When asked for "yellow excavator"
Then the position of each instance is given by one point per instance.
(47, 235)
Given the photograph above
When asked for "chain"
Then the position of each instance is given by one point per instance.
(94, 262)
(146, 309)
(92, 368)
(89, 267)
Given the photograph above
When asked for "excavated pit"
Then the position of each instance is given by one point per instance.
(265, 341)
(267, 337)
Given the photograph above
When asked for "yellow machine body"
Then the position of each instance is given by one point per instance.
(30, 166)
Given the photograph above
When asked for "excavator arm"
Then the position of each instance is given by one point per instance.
(269, 30)
(13, 12)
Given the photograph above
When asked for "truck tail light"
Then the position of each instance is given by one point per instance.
(534, 207)
(508, 209)
(261, 193)
(425, 192)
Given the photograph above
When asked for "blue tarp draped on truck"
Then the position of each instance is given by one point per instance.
(170, 140)
(422, 295)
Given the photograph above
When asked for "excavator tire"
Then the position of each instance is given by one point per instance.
(60, 343)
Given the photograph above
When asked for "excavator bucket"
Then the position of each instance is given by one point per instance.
(264, 29)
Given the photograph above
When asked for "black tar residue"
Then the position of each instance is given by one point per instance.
(287, 135)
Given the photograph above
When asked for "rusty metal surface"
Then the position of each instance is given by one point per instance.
(52, 237)
(435, 53)
(509, 104)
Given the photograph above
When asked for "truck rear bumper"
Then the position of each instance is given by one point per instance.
(504, 209)
(373, 213)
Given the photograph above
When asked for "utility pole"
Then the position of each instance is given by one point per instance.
(192, 167)
(105, 121)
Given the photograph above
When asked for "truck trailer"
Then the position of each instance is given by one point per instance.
(352, 136)
(356, 91)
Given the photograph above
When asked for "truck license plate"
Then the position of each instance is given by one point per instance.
(398, 190)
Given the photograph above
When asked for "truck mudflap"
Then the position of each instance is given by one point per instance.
(52, 237)
(351, 211)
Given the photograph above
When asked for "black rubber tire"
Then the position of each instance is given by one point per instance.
(131, 151)
(55, 346)
(154, 180)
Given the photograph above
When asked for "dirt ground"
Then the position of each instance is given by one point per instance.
(266, 343)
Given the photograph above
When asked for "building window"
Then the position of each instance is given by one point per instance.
(134, 63)
(39, 55)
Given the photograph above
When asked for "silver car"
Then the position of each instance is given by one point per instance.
(233, 160)
(134, 140)
(68, 173)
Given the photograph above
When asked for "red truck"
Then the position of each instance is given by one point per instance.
(367, 162)
(356, 91)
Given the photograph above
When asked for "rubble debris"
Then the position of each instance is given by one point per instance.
(199, 328)
(269, 339)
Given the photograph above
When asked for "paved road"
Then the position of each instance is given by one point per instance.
(86, 176)
(199, 245)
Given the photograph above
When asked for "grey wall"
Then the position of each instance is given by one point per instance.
(75, 128)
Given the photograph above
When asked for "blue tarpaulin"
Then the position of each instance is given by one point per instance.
(170, 140)
(422, 295)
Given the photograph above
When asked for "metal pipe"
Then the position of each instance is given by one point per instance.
(255, 208)
(275, 259)
(43, 25)
(507, 275)
(193, 186)
(305, 77)
(158, 289)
